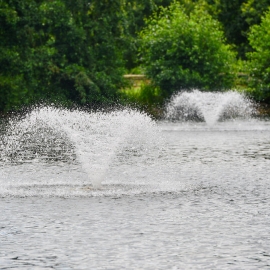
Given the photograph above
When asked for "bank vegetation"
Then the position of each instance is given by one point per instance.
(76, 53)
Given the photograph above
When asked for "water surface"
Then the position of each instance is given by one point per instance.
(188, 196)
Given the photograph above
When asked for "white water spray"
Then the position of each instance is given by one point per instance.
(93, 139)
(210, 107)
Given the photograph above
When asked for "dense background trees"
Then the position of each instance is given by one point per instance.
(259, 58)
(77, 51)
(60, 50)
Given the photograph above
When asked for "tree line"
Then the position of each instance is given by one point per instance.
(76, 52)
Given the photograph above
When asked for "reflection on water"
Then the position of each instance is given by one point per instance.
(183, 196)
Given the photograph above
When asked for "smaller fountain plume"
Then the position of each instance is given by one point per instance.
(210, 107)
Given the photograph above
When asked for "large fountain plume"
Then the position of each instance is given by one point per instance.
(210, 107)
(50, 135)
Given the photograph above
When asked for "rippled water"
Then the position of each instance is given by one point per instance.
(185, 196)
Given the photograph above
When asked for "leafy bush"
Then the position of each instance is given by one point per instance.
(60, 50)
(143, 96)
(259, 67)
(181, 51)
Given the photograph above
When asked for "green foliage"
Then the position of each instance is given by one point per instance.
(60, 50)
(259, 64)
(138, 12)
(229, 14)
(253, 10)
(146, 96)
(181, 51)
(236, 18)
(77, 51)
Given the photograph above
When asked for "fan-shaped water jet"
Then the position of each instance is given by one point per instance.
(210, 107)
(92, 139)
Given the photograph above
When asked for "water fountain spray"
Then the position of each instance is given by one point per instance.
(210, 107)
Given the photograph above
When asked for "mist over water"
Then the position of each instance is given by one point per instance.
(117, 190)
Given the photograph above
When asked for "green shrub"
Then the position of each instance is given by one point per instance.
(61, 50)
(144, 97)
(182, 52)
(259, 64)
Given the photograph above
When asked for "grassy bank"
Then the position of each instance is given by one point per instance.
(140, 93)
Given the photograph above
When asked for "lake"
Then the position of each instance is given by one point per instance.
(172, 195)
